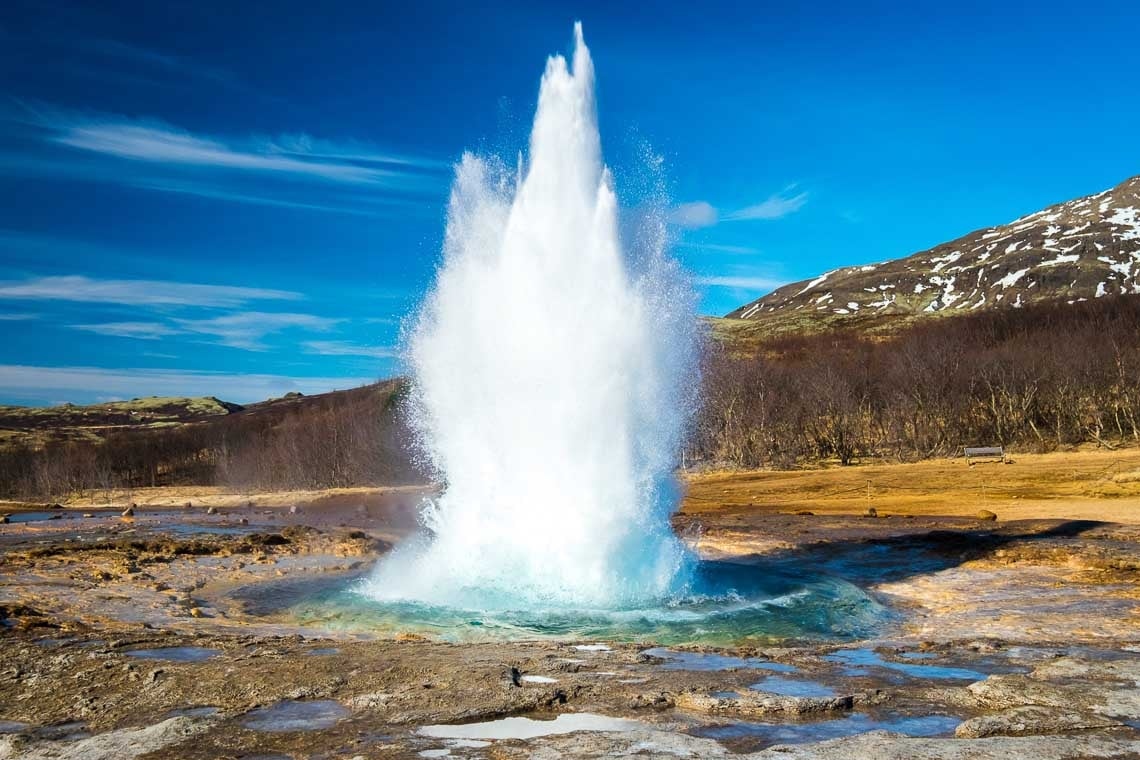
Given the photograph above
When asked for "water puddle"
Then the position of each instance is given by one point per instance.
(676, 660)
(188, 529)
(26, 517)
(296, 716)
(12, 726)
(175, 654)
(751, 737)
(538, 679)
(67, 732)
(862, 662)
(204, 711)
(790, 687)
(322, 652)
(530, 728)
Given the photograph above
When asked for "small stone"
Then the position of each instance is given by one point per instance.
(212, 511)
(88, 514)
(243, 521)
(129, 511)
(294, 509)
(189, 505)
(4, 519)
(804, 512)
(196, 612)
(871, 512)
(986, 516)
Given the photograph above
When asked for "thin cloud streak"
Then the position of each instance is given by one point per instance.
(700, 214)
(718, 248)
(79, 288)
(775, 207)
(139, 330)
(758, 283)
(167, 145)
(34, 382)
(344, 348)
(246, 329)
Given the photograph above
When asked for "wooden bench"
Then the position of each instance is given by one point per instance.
(989, 453)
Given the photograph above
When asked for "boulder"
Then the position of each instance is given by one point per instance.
(986, 516)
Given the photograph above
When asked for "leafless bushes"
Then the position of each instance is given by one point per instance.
(1035, 378)
(349, 438)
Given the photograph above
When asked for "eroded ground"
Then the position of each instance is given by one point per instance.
(141, 638)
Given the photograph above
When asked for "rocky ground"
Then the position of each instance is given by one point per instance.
(139, 637)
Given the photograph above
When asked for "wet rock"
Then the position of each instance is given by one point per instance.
(211, 510)
(129, 511)
(659, 701)
(1005, 691)
(882, 745)
(763, 703)
(4, 520)
(986, 516)
(112, 745)
(1031, 720)
(88, 514)
(513, 676)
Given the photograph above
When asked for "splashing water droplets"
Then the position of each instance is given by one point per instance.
(553, 372)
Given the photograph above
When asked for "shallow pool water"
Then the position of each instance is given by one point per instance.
(12, 726)
(677, 660)
(792, 687)
(530, 728)
(291, 715)
(752, 736)
(863, 662)
(175, 654)
(725, 603)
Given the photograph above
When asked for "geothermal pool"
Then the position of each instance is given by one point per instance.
(728, 604)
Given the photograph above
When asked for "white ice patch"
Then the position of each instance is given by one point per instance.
(1062, 259)
(817, 281)
(1011, 279)
(1129, 218)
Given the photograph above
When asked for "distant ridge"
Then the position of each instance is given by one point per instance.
(1078, 250)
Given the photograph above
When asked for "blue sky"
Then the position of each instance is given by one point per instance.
(245, 199)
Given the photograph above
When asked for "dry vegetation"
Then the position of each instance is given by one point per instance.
(1035, 379)
(336, 440)
(1090, 484)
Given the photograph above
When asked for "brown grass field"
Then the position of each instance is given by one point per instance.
(1090, 484)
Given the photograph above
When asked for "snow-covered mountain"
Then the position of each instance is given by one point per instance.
(1081, 249)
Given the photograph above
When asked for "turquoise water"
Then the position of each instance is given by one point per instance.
(726, 603)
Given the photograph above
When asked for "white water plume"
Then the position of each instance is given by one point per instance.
(554, 371)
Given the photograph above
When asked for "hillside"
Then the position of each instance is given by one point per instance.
(38, 425)
(1079, 250)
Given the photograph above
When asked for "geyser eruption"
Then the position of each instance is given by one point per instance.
(553, 368)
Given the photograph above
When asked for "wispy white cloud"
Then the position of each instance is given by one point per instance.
(160, 143)
(776, 206)
(33, 382)
(718, 248)
(17, 317)
(344, 348)
(291, 170)
(83, 289)
(694, 215)
(140, 330)
(740, 282)
(699, 214)
(246, 329)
